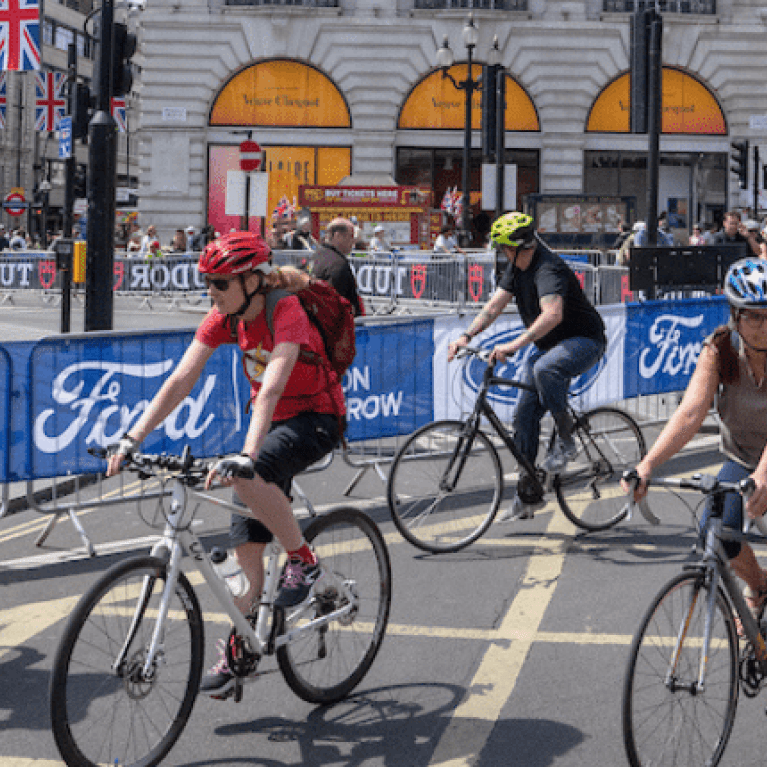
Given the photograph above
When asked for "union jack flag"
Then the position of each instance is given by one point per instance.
(281, 211)
(19, 34)
(49, 100)
(3, 99)
(120, 114)
(452, 202)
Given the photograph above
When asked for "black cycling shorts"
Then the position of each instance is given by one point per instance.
(290, 447)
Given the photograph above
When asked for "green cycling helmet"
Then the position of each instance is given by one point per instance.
(512, 229)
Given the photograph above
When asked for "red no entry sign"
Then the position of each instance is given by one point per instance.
(250, 156)
(14, 204)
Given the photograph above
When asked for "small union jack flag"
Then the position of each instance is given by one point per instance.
(49, 100)
(281, 211)
(19, 34)
(120, 114)
(3, 99)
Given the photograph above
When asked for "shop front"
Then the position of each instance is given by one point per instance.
(434, 107)
(692, 174)
(292, 99)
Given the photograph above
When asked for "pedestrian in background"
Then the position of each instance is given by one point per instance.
(379, 243)
(5, 243)
(331, 262)
(178, 243)
(697, 237)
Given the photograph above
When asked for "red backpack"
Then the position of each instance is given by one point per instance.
(328, 311)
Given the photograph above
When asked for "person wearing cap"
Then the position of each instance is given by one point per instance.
(663, 239)
(379, 243)
(5, 243)
(301, 237)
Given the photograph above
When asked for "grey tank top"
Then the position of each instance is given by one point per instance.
(742, 409)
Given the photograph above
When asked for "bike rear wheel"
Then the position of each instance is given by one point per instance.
(444, 486)
(105, 709)
(589, 493)
(667, 718)
(325, 665)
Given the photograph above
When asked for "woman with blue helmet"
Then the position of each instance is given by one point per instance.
(731, 373)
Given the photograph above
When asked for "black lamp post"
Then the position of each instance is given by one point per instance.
(445, 60)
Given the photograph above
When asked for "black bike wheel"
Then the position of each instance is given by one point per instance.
(589, 492)
(325, 665)
(102, 714)
(667, 718)
(444, 487)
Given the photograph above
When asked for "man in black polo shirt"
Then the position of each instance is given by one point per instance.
(331, 263)
(567, 331)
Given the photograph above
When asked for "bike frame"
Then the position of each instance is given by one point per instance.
(483, 408)
(714, 568)
(177, 540)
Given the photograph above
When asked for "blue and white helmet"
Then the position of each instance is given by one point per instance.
(745, 284)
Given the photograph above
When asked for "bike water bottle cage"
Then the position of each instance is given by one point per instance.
(745, 284)
(513, 229)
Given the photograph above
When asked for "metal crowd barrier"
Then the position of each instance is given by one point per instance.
(402, 281)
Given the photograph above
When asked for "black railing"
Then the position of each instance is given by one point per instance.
(479, 5)
(702, 7)
(299, 3)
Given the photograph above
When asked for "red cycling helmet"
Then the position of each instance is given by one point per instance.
(236, 253)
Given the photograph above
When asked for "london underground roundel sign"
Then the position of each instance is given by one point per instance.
(14, 204)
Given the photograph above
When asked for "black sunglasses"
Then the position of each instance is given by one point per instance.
(219, 283)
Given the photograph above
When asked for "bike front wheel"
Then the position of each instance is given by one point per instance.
(589, 493)
(444, 486)
(326, 664)
(668, 718)
(107, 707)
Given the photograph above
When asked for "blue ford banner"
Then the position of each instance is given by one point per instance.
(663, 341)
(65, 394)
(389, 387)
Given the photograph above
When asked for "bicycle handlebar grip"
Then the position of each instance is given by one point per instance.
(747, 487)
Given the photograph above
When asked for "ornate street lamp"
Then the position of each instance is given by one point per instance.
(445, 60)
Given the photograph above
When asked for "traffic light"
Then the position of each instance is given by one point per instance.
(123, 48)
(36, 208)
(740, 162)
(83, 111)
(80, 186)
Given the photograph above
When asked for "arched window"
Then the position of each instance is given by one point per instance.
(281, 93)
(436, 104)
(688, 107)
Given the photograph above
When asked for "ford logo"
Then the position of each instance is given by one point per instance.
(474, 369)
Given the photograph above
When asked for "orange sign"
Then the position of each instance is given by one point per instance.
(688, 107)
(435, 103)
(281, 93)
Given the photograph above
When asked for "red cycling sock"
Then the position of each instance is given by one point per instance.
(305, 554)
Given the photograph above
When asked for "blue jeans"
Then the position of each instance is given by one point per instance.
(550, 372)
(733, 506)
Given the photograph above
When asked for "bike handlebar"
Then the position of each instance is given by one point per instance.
(147, 464)
(708, 485)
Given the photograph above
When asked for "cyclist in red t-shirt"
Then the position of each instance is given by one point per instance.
(296, 416)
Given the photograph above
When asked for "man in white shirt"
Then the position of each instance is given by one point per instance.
(378, 243)
(446, 242)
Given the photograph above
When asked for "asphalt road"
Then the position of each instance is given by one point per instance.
(511, 652)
